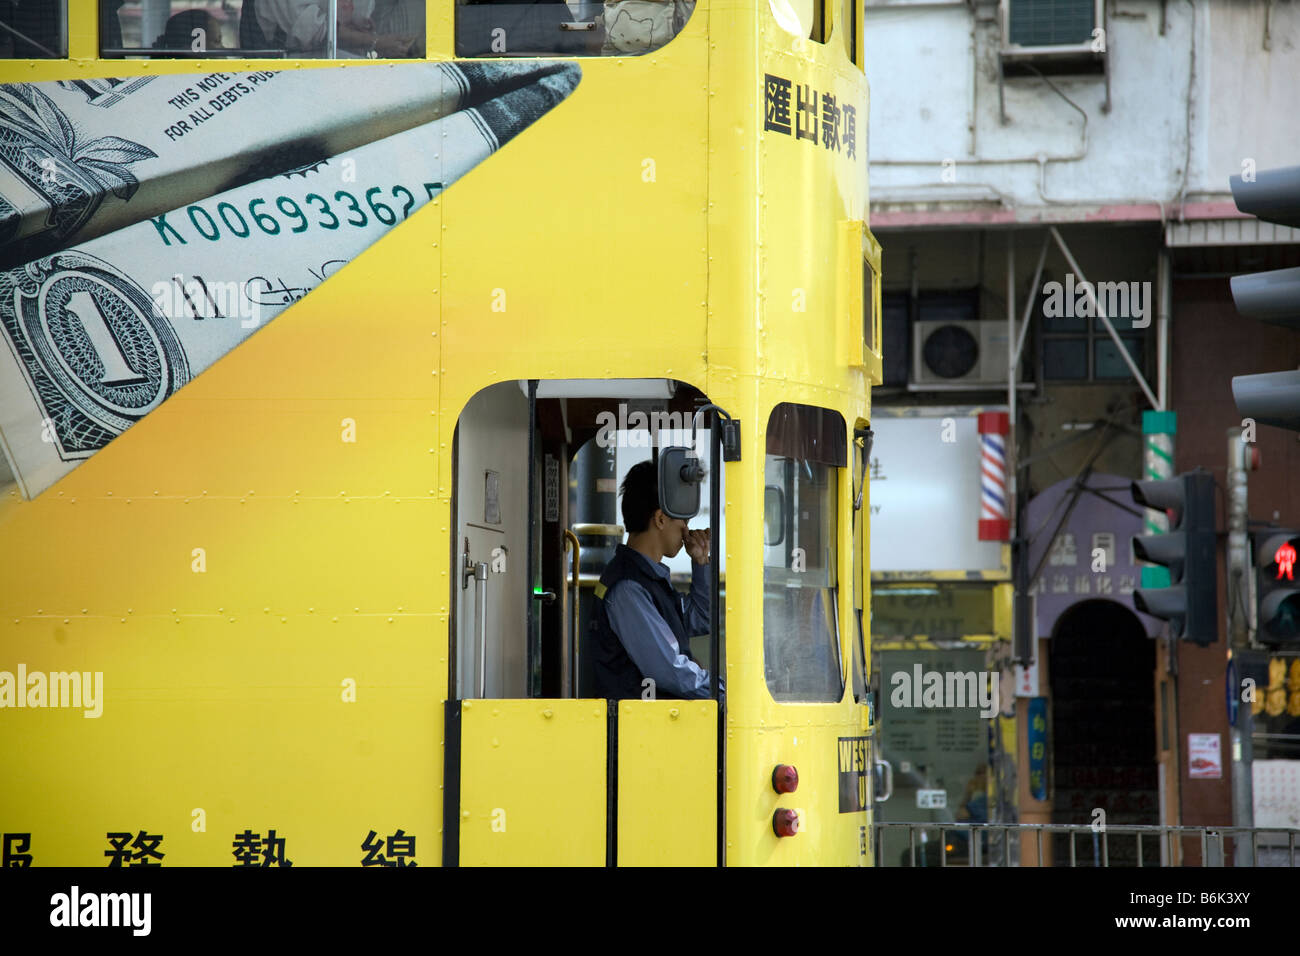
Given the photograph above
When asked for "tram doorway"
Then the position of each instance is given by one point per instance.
(1103, 729)
(535, 518)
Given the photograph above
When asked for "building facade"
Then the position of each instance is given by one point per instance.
(1050, 186)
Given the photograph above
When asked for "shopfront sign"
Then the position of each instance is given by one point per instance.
(1089, 557)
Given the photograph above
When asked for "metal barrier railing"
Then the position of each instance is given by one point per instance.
(999, 844)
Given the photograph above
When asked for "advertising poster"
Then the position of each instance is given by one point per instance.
(1204, 757)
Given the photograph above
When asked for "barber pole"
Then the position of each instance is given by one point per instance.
(995, 520)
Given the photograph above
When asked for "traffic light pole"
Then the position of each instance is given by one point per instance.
(1240, 588)
(1241, 736)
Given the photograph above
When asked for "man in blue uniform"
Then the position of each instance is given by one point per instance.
(642, 626)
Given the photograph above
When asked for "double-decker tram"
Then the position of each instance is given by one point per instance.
(330, 330)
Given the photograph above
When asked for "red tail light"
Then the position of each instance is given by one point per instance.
(785, 823)
(785, 779)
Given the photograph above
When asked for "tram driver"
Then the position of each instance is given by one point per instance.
(642, 625)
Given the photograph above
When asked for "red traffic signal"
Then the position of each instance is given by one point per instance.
(1276, 591)
(1284, 559)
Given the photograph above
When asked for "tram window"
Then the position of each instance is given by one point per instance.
(861, 512)
(33, 30)
(846, 27)
(868, 306)
(581, 28)
(206, 29)
(806, 447)
(818, 31)
(803, 18)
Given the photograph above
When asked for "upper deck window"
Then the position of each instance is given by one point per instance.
(803, 18)
(206, 29)
(846, 27)
(582, 28)
(33, 30)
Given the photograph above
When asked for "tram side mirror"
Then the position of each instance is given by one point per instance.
(680, 477)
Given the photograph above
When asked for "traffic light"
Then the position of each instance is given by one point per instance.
(1277, 588)
(1191, 604)
(1272, 398)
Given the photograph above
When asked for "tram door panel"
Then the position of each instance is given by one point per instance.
(526, 777)
(490, 544)
(667, 782)
(532, 783)
(553, 778)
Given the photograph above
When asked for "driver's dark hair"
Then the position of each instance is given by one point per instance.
(640, 491)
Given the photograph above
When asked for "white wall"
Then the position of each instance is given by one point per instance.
(933, 71)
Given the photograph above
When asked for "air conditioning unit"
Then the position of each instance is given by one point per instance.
(1057, 36)
(956, 355)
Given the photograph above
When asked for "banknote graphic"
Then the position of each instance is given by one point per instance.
(82, 158)
(99, 333)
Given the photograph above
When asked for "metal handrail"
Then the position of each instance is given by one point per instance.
(571, 658)
(480, 599)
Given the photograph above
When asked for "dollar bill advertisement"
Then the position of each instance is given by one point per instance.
(149, 226)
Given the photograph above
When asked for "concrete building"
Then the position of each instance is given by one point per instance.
(1018, 150)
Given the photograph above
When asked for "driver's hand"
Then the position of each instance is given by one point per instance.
(697, 545)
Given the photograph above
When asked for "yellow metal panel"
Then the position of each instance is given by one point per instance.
(1003, 600)
(667, 783)
(811, 742)
(611, 282)
(532, 783)
(802, 274)
(209, 726)
(83, 29)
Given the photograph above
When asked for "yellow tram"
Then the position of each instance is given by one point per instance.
(302, 517)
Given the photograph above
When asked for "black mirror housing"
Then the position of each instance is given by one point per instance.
(680, 477)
